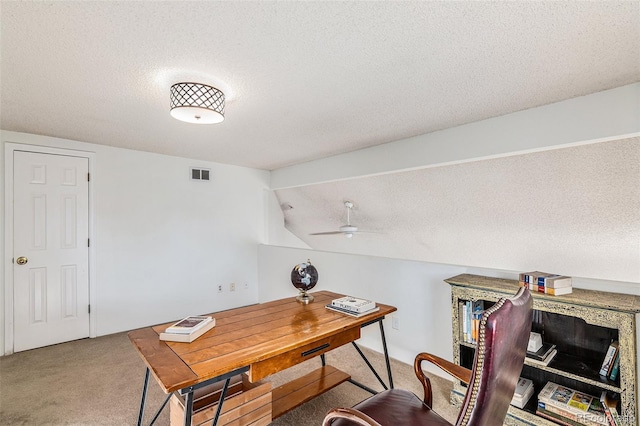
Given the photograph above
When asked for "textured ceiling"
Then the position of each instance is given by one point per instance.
(304, 80)
(571, 211)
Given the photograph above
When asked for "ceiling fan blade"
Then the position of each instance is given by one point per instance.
(347, 230)
(328, 233)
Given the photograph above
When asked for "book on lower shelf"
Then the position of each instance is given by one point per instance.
(556, 417)
(572, 405)
(610, 404)
(523, 392)
(349, 312)
(188, 337)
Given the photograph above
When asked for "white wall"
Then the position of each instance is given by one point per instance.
(163, 243)
(277, 234)
(417, 289)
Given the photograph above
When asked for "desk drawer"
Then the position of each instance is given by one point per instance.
(280, 362)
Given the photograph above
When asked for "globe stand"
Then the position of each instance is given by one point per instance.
(304, 297)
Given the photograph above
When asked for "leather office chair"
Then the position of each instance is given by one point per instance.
(499, 357)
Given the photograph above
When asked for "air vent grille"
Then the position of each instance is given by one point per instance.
(200, 174)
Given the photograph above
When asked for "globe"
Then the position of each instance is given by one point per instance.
(304, 277)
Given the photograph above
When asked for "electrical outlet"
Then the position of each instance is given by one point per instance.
(395, 322)
(220, 288)
(232, 287)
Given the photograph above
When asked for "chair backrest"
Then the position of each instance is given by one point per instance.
(502, 346)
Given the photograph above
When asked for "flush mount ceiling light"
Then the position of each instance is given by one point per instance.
(197, 103)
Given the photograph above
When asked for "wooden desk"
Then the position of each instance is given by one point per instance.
(260, 340)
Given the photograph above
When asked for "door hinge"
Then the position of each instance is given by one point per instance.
(89, 308)
(88, 177)
(88, 242)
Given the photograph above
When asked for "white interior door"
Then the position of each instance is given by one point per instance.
(51, 255)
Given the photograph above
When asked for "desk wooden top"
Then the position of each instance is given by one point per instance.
(242, 337)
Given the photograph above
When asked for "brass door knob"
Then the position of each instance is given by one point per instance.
(22, 260)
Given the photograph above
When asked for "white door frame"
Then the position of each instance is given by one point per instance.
(10, 148)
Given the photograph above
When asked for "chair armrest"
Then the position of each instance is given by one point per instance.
(457, 371)
(350, 414)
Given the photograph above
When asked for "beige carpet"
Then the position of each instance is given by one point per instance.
(99, 382)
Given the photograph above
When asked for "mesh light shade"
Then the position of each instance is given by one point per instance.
(197, 103)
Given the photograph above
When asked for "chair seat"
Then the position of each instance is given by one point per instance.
(396, 407)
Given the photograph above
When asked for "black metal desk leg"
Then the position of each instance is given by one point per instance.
(373, 370)
(188, 407)
(222, 395)
(160, 410)
(143, 400)
(386, 355)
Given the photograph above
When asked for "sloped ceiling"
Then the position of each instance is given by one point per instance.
(304, 80)
(310, 80)
(572, 210)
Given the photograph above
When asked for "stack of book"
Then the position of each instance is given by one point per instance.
(611, 363)
(610, 403)
(352, 306)
(523, 392)
(544, 355)
(544, 282)
(470, 320)
(569, 407)
(188, 329)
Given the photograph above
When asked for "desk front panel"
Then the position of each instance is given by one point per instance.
(267, 367)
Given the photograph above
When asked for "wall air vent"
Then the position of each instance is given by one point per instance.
(200, 174)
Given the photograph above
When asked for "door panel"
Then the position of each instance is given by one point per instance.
(51, 210)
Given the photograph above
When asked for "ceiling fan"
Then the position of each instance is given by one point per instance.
(347, 230)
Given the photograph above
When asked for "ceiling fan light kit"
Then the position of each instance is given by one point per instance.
(348, 230)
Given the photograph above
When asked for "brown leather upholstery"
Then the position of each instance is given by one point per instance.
(502, 347)
(499, 357)
(396, 407)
